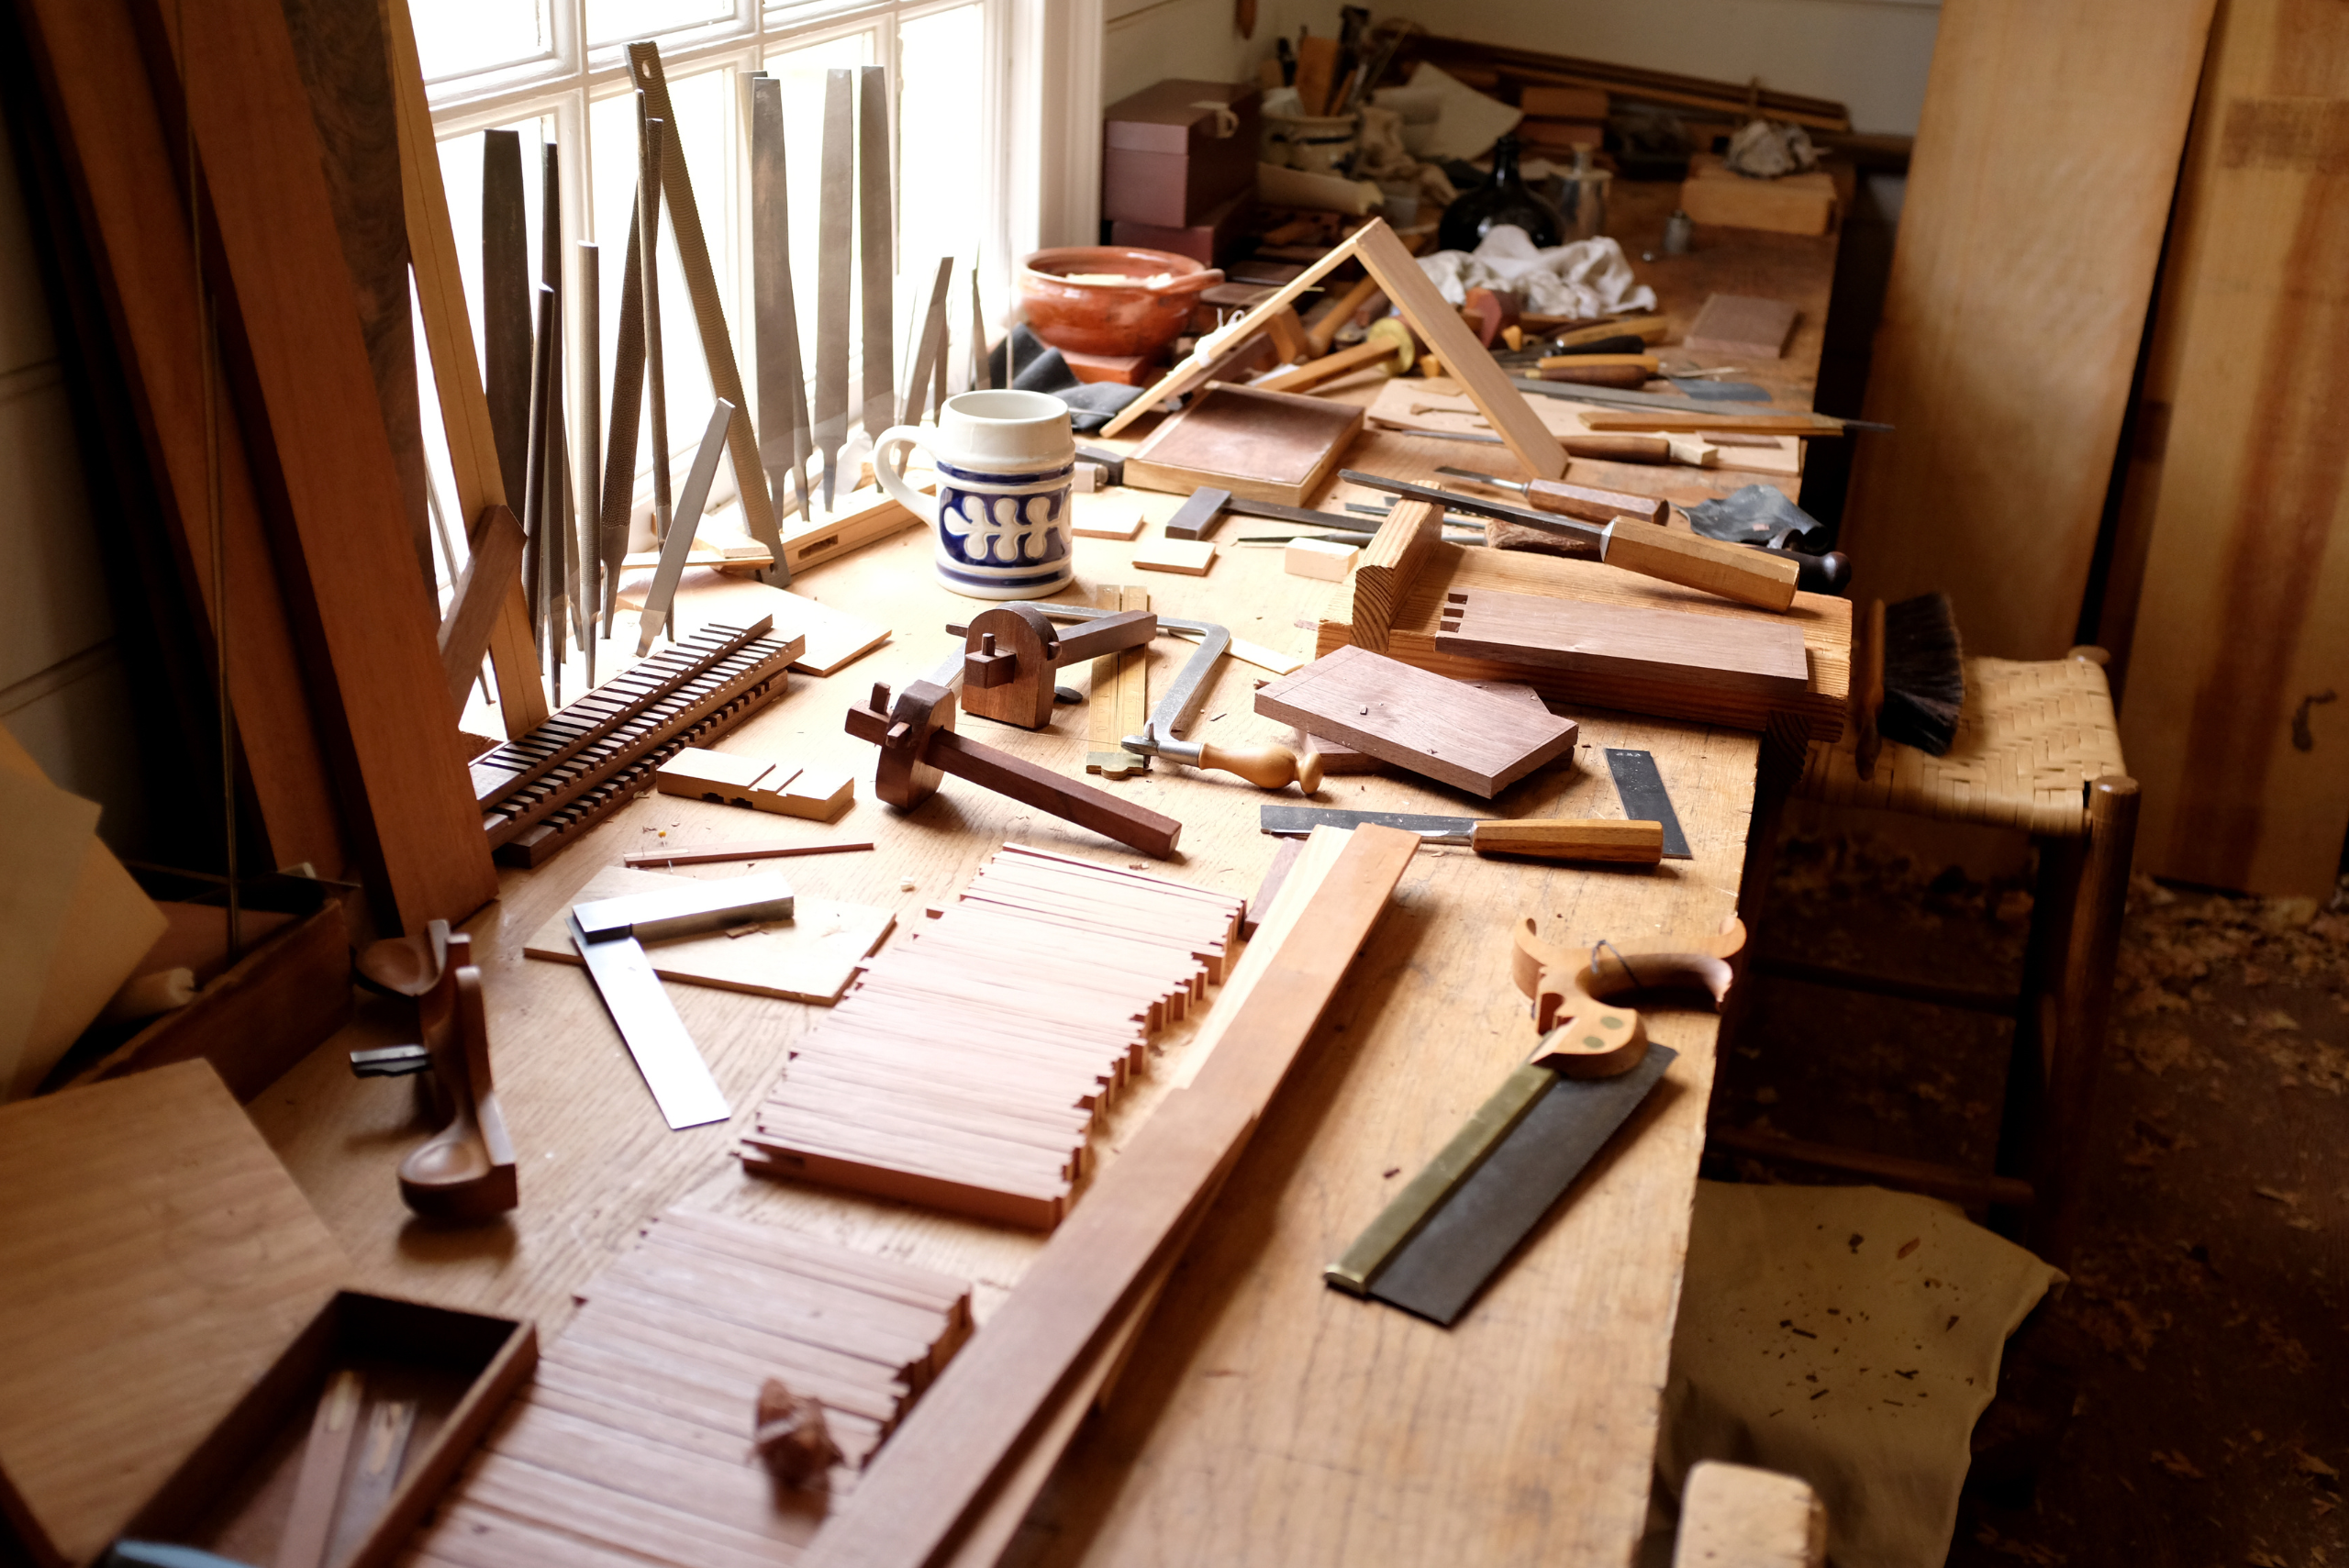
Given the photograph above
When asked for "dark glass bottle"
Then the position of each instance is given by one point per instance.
(1504, 198)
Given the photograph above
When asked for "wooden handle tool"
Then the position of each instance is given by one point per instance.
(1269, 766)
(1388, 345)
(1618, 449)
(1572, 839)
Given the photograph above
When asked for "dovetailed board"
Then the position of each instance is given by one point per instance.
(1404, 617)
(1620, 641)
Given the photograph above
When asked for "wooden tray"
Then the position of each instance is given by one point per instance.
(235, 1494)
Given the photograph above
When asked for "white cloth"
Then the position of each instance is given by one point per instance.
(1587, 278)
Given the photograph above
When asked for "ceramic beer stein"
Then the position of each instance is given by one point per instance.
(1001, 516)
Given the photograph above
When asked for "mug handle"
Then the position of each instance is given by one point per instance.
(892, 476)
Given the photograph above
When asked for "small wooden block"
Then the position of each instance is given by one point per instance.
(1192, 557)
(1564, 102)
(1733, 1515)
(1742, 327)
(1108, 519)
(698, 773)
(820, 794)
(1445, 730)
(1791, 203)
(1318, 558)
(1200, 516)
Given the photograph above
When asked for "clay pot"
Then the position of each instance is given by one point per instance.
(1128, 315)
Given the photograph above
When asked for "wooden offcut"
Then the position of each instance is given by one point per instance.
(2015, 308)
(1741, 327)
(1266, 445)
(1184, 557)
(1791, 203)
(1443, 729)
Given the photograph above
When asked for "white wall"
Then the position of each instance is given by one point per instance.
(63, 691)
(1869, 54)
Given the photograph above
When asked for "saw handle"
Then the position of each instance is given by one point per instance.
(1764, 579)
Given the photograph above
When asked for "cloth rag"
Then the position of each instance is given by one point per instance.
(1586, 278)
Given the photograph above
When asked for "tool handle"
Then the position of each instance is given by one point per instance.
(1590, 505)
(1618, 449)
(1572, 839)
(1827, 573)
(1758, 577)
(1629, 377)
(1312, 372)
(1267, 766)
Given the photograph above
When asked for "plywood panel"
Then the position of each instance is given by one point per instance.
(2043, 176)
(2235, 708)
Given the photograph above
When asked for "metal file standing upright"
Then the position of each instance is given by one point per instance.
(876, 241)
(835, 234)
(783, 435)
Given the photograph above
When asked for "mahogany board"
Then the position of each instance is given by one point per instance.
(808, 958)
(155, 1261)
(1764, 657)
(1741, 325)
(1264, 446)
(1431, 724)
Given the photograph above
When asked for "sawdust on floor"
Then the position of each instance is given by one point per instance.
(2180, 1403)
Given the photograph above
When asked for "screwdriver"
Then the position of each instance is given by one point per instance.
(1764, 579)
(1575, 500)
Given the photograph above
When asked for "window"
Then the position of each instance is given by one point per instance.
(969, 81)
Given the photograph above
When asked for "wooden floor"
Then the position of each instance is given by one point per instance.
(1266, 1419)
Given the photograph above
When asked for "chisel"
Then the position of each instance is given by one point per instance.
(1574, 500)
(1764, 579)
(1533, 838)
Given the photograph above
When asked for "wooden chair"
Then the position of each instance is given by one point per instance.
(2036, 750)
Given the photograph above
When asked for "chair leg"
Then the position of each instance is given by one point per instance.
(2055, 896)
(2083, 1003)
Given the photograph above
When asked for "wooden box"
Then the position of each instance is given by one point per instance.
(1170, 157)
(455, 1371)
(1207, 239)
(1792, 204)
(1264, 446)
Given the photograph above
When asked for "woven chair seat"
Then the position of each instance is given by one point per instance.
(2031, 735)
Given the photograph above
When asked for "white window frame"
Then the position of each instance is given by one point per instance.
(1040, 119)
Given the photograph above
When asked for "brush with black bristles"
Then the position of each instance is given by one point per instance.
(1912, 680)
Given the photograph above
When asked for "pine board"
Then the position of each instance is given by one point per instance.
(155, 1260)
(2235, 511)
(2015, 307)
(1446, 729)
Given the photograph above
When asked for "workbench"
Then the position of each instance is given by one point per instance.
(1264, 1419)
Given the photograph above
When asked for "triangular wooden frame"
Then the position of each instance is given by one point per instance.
(1421, 304)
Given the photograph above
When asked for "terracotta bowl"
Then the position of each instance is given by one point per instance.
(1110, 299)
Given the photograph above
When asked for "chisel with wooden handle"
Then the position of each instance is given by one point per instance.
(1584, 501)
(1764, 579)
(1601, 839)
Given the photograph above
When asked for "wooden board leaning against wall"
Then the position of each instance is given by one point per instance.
(2235, 518)
(2016, 305)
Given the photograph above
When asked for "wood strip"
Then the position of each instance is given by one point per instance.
(1932, 503)
(506, 307)
(971, 1426)
(359, 605)
(717, 343)
(562, 1503)
(456, 368)
(1390, 564)
(1119, 704)
(652, 153)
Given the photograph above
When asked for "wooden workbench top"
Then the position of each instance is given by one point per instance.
(1265, 1419)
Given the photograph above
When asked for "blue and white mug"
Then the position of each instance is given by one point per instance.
(1001, 515)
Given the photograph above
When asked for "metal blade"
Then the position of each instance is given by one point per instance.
(1296, 822)
(783, 382)
(673, 1067)
(1475, 506)
(680, 542)
(835, 229)
(877, 247)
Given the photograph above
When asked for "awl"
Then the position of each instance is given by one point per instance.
(1533, 838)
(1764, 579)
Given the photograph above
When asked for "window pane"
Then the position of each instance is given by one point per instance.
(802, 72)
(705, 125)
(942, 186)
(615, 21)
(454, 37)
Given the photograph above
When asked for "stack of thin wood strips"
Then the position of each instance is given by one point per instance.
(633, 1441)
(541, 792)
(964, 1069)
